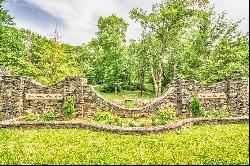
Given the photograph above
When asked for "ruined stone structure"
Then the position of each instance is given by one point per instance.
(20, 94)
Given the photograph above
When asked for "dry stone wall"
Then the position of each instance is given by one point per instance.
(124, 130)
(19, 95)
(232, 93)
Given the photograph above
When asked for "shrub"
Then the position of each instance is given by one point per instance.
(102, 116)
(69, 108)
(216, 113)
(32, 117)
(145, 123)
(153, 120)
(130, 87)
(131, 123)
(129, 104)
(220, 114)
(166, 115)
(118, 121)
(49, 115)
(195, 107)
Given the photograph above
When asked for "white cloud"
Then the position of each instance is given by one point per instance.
(80, 16)
(236, 10)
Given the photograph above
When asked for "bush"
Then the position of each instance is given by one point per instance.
(119, 121)
(166, 115)
(129, 104)
(32, 117)
(153, 120)
(220, 114)
(195, 107)
(49, 115)
(145, 123)
(131, 123)
(69, 108)
(102, 116)
(216, 113)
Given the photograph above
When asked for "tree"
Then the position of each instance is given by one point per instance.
(109, 49)
(216, 50)
(165, 25)
(5, 18)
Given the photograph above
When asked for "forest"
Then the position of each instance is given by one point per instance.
(179, 38)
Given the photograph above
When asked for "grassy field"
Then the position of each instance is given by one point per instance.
(121, 95)
(208, 144)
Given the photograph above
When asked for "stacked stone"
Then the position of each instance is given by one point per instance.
(238, 98)
(4, 72)
(42, 105)
(213, 103)
(11, 97)
(14, 103)
(236, 90)
(75, 87)
(125, 130)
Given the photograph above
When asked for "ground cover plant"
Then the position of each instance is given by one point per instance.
(162, 117)
(206, 144)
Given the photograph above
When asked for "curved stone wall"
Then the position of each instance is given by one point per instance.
(19, 94)
(124, 130)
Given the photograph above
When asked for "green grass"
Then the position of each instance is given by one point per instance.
(208, 144)
(120, 95)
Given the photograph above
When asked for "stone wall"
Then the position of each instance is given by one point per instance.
(4, 72)
(234, 94)
(19, 94)
(125, 130)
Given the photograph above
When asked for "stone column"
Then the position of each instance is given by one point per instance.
(11, 97)
(178, 94)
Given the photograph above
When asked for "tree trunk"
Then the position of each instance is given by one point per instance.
(157, 78)
(142, 87)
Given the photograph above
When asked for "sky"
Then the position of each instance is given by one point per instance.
(77, 19)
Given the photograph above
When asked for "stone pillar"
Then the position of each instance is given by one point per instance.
(74, 86)
(238, 97)
(178, 94)
(11, 97)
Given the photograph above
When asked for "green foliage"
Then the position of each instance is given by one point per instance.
(119, 121)
(120, 95)
(69, 108)
(195, 107)
(131, 123)
(110, 88)
(5, 18)
(129, 104)
(199, 145)
(165, 115)
(102, 116)
(145, 123)
(196, 41)
(108, 118)
(49, 115)
(154, 120)
(221, 113)
(33, 117)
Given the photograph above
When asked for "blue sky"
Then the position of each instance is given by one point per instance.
(77, 19)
